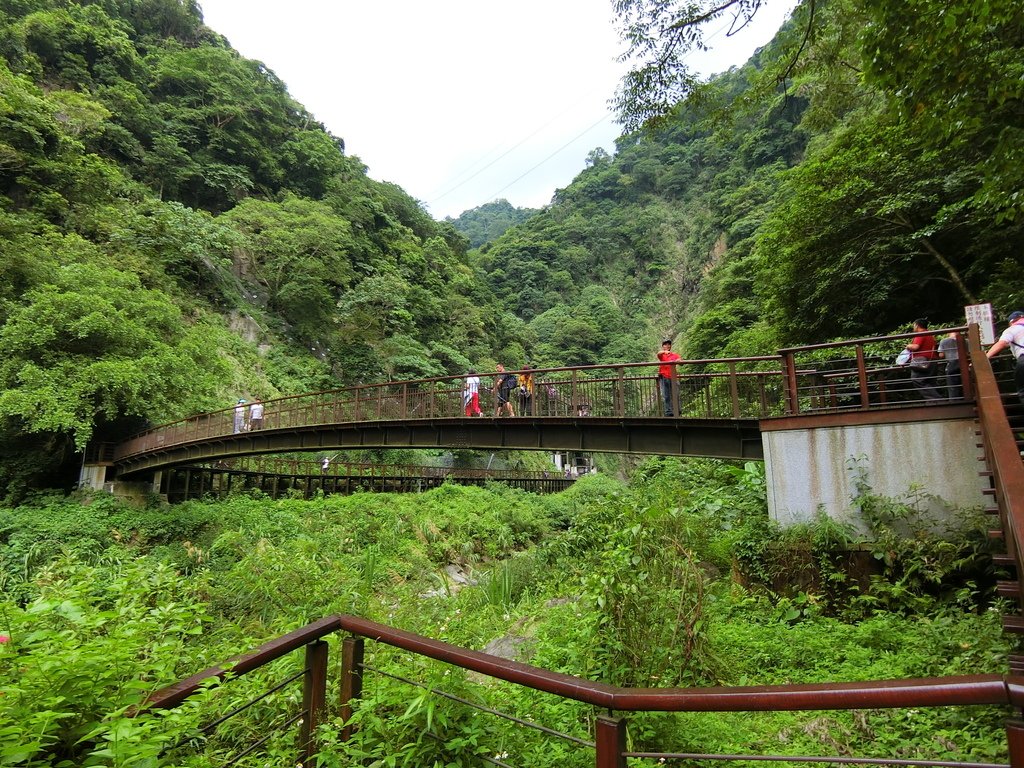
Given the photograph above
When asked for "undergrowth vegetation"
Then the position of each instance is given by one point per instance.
(676, 579)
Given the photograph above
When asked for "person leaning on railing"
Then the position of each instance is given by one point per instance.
(922, 361)
(666, 374)
(1013, 337)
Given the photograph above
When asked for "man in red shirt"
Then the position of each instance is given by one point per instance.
(922, 361)
(667, 374)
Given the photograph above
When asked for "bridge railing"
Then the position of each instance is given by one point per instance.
(612, 704)
(862, 374)
(719, 388)
(1005, 463)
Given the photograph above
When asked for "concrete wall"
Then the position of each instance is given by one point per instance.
(138, 492)
(810, 468)
(92, 476)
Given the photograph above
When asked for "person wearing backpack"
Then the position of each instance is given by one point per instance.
(505, 385)
(1013, 338)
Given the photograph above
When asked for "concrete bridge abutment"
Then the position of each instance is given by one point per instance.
(931, 454)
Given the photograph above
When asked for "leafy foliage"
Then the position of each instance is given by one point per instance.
(670, 580)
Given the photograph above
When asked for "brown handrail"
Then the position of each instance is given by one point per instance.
(873, 339)
(173, 695)
(1001, 449)
(610, 733)
(921, 692)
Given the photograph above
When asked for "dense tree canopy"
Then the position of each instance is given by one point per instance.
(861, 170)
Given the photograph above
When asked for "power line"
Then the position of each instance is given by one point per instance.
(571, 141)
(503, 155)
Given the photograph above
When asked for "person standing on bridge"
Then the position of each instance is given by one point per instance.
(239, 416)
(1013, 337)
(471, 394)
(256, 414)
(504, 386)
(667, 374)
(949, 350)
(526, 391)
(922, 361)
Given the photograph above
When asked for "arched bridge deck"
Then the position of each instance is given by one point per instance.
(718, 407)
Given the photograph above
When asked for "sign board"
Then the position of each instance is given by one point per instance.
(982, 315)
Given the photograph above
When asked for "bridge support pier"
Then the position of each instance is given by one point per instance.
(811, 466)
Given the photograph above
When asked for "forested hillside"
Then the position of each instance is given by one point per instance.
(818, 192)
(176, 231)
(489, 221)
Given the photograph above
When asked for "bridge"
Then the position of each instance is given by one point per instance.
(720, 409)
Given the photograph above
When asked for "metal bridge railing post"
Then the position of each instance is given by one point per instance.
(610, 737)
(963, 356)
(1015, 742)
(352, 681)
(734, 390)
(314, 699)
(862, 379)
(675, 399)
(790, 384)
(620, 393)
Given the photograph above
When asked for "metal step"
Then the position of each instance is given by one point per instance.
(1014, 624)
(1008, 588)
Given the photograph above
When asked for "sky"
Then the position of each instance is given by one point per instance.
(460, 102)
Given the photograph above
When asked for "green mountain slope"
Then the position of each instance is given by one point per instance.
(176, 231)
(797, 199)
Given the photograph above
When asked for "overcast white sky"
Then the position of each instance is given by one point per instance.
(459, 102)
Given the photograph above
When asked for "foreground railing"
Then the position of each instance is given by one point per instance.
(610, 721)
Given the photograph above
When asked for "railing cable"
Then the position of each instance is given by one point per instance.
(498, 713)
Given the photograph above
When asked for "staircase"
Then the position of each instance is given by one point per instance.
(1001, 414)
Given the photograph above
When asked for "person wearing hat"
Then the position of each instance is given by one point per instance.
(239, 416)
(1013, 337)
(667, 374)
